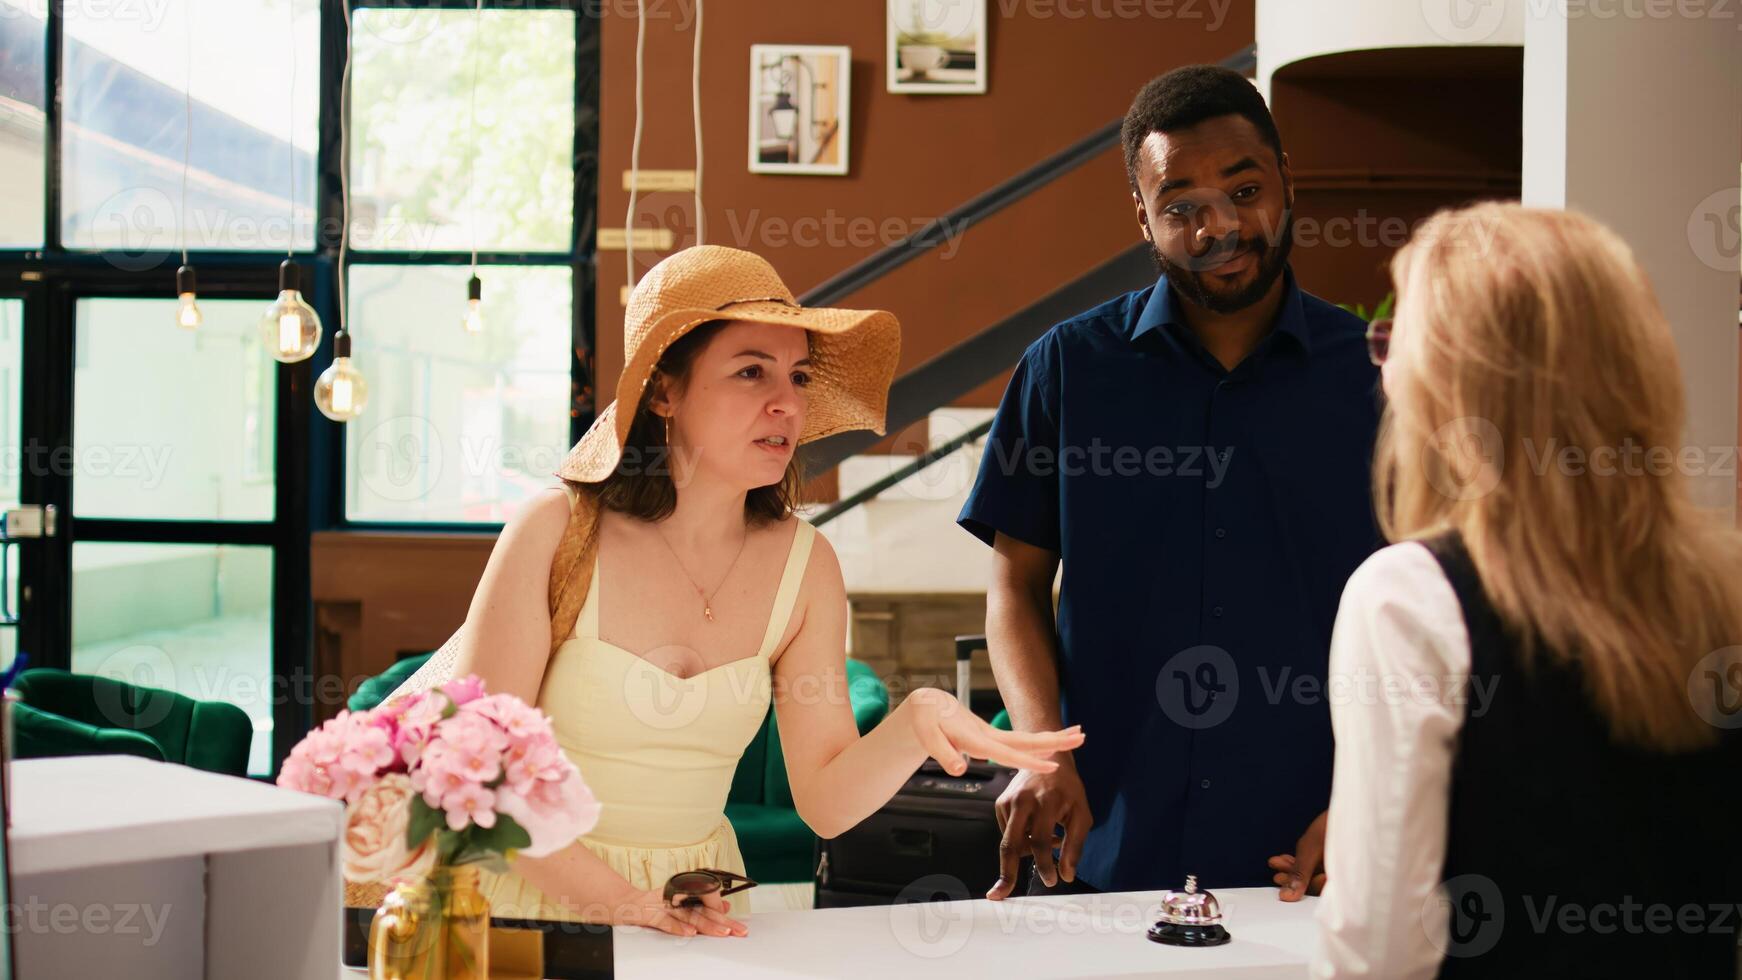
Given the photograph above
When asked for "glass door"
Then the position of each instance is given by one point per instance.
(149, 537)
(174, 499)
(19, 525)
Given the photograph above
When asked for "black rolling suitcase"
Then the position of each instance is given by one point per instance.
(936, 840)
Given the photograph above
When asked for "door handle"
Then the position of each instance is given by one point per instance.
(29, 521)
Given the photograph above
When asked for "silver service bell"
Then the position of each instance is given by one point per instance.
(1189, 918)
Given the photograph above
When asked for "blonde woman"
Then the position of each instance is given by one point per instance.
(706, 599)
(1533, 776)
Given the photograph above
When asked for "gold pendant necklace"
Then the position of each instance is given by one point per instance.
(706, 597)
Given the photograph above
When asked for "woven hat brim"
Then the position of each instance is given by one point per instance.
(854, 354)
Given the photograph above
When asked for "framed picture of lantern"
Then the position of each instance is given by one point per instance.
(799, 108)
(937, 46)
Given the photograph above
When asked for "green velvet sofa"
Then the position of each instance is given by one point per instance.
(63, 713)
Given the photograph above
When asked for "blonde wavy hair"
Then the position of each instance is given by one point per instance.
(1536, 408)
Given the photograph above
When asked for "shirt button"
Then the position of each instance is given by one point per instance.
(1223, 455)
(1221, 532)
(1216, 612)
(1205, 784)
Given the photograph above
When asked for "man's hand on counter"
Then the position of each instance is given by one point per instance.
(1303, 872)
(1029, 812)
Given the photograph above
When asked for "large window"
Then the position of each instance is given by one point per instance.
(172, 424)
(420, 165)
(460, 428)
(254, 81)
(23, 122)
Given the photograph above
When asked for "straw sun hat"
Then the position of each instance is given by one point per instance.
(853, 352)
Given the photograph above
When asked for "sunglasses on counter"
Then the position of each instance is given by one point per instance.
(689, 887)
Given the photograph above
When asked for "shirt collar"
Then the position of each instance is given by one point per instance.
(1161, 314)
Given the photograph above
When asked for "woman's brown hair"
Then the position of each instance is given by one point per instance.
(642, 487)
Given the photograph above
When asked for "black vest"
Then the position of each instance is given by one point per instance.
(1567, 854)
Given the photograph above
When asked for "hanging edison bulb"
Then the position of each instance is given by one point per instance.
(187, 311)
(340, 391)
(290, 328)
(474, 321)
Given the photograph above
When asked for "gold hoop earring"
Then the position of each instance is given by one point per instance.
(668, 432)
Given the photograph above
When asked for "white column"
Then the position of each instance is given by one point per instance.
(1288, 31)
(1633, 115)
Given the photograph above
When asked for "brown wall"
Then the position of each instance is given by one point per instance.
(381, 596)
(912, 157)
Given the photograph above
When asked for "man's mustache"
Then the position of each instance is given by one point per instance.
(1219, 254)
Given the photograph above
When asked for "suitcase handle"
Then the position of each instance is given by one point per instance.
(910, 842)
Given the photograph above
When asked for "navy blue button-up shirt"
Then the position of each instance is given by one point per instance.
(1206, 521)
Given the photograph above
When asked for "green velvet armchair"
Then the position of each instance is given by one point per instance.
(374, 690)
(776, 844)
(64, 713)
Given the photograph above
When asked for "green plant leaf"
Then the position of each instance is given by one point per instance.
(1378, 312)
(424, 820)
(504, 836)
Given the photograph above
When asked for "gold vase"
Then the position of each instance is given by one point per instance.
(434, 928)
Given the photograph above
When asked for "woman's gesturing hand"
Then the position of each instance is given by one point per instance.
(949, 732)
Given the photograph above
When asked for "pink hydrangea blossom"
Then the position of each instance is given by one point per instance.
(471, 756)
(470, 803)
(464, 690)
(555, 813)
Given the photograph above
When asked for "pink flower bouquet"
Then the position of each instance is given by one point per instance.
(442, 778)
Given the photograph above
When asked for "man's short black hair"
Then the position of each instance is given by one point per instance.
(1187, 96)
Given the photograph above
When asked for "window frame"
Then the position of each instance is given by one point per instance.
(579, 258)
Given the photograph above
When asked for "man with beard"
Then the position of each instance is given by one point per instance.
(1196, 455)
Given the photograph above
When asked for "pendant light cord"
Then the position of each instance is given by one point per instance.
(187, 143)
(635, 145)
(290, 116)
(696, 111)
(344, 167)
(472, 134)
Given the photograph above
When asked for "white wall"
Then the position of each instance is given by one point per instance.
(1637, 121)
(1293, 30)
(1632, 114)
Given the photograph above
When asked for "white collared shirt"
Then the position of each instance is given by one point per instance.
(1398, 685)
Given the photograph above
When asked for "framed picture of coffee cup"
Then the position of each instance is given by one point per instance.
(799, 108)
(937, 46)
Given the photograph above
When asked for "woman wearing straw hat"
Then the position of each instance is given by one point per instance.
(704, 600)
